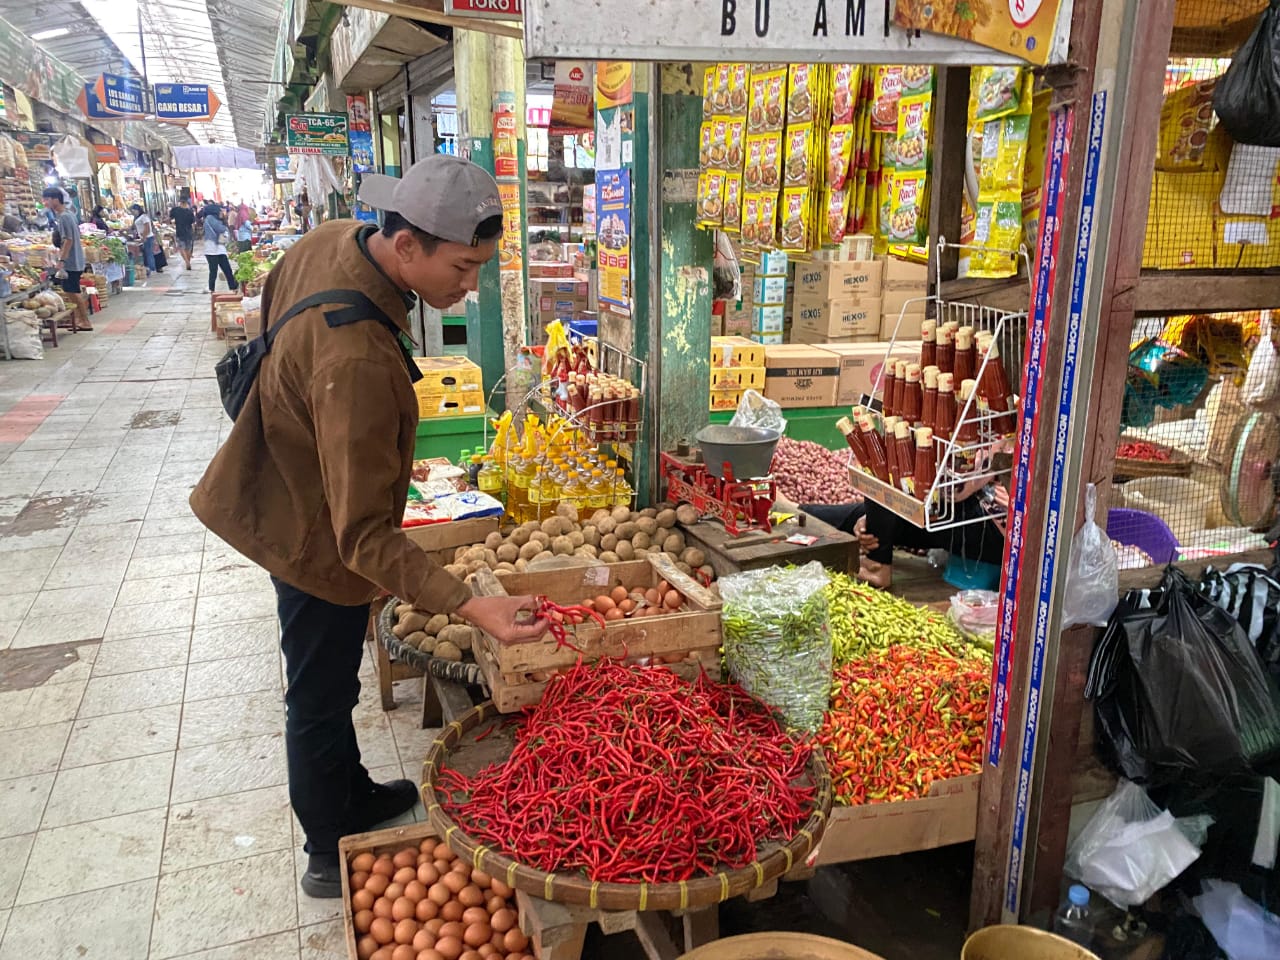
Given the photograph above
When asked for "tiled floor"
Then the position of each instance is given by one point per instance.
(143, 808)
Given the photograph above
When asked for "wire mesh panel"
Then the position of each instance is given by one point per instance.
(1200, 433)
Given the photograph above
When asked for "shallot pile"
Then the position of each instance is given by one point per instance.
(810, 473)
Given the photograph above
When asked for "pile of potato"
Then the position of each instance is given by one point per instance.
(423, 903)
(610, 536)
(438, 634)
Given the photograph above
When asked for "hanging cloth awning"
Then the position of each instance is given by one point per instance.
(215, 157)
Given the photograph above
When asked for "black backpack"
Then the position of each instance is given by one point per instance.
(238, 369)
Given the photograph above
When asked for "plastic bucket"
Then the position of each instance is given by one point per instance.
(778, 946)
(1008, 942)
(971, 574)
(1143, 530)
(747, 450)
(1182, 504)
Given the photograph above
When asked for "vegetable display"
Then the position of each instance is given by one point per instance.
(901, 719)
(1143, 450)
(633, 774)
(423, 903)
(865, 619)
(808, 472)
(440, 635)
(777, 641)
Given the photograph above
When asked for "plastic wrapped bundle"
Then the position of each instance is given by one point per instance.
(777, 639)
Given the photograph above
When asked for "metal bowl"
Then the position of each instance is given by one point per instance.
(747, 450)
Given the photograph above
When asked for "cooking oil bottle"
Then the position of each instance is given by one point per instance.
(575, 489)
(621, 489)
(489, 479)
(518, 491)
(537, 510)
(600, 490)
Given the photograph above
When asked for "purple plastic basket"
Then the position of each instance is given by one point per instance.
(1144, 530)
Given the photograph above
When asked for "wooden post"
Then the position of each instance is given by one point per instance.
(951, 110)
(1106, 108)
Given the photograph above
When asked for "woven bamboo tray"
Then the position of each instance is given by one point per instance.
(576, 888)
(451, 670)
(1131, 468)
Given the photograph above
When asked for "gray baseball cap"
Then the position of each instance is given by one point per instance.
(444, 195)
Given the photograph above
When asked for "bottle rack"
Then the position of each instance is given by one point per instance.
(963, 467)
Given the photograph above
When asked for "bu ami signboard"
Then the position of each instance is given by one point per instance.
(487, 9)
(317, 133)
(805, 31)
(181, 102)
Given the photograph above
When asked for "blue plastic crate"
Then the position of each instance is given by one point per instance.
(581, 329)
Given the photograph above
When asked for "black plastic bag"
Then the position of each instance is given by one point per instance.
(1179, 690)
(1247, 97)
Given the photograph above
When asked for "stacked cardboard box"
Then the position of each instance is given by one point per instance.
(737, 364)
(769, 298)
(801, 375)
(860, 365)
(557, 298)
(450, 387)
(837, 301)
(905, 287)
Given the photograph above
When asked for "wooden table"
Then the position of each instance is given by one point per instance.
(751, 551)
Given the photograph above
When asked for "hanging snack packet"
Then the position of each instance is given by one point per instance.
(911, 148)
(796, 210)
(756, 84)
(1034, 169)
(737, 86)
(799, 151)
(719, 150)
(916, 78)
(753, 169)
(750, 220)
(732, 217)
(835, 223)
(720, 89)
(770, 161)
(705, 133)
(735, 135)
(906, 209)
(711, 198)
(709, 90)
(846, 82)
(839, 155)
(766, 227)
(999, 90)
(801, 93)
(998, 228)
(884, 107)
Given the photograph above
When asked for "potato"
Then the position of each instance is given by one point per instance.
(674, 543)
(666, 519)
(648, 513)
(490, 558)
(706, 572)
(641, 541)
(585, 551)
(413, 621)
(620, 514)
(522, 565)
(607, 525)
(598, 516)
(542, 537)
(429, 644)
(686, 513)
(504, 568)
(627, 530)
(694, 557)
(562, 546)
(625, 550)
(473, 554)
(608, 556)
(647, 525)
(493, 541)
(544, 555)
(460, 635)
(437, 623)
(476, 565)
(403, 608)
(415, 639)
(530, 550)
(460, 553)
(508, 553)
(684, 568)
(400, 631)
(454, 618)
(591, 535)
(608, 542)
(501, 573)
(458, 570)
(447, 651)
(568, 511)
(576, 537)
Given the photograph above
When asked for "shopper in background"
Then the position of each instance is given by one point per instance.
(146, 232)
(99, 218)
(184, 220)
(244, 226)
(311, 483)
(70, 253)
(215, 248)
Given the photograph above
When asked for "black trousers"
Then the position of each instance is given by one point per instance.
(323, 644)
(217, 260)
(975, 541)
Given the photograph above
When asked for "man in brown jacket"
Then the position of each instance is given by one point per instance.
(311, 483)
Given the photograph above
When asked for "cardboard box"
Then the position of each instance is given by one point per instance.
(1186, 211)
(801, 335)
(441, 538)
(448, 375)
(769, 290)
(450, 404)
(737, 378)
(737, 324)
(735, 352)
(901, 326)
(717, 325)
(831, 279)
(550, 268)
(769, 319)
(769, 339)
(559, 288)
(893, 301)
(860, 365)
(798, 375)
(949, 814)
(773, 263)
(851, 317)
(905, 276)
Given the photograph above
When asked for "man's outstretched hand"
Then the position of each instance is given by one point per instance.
(500, 618)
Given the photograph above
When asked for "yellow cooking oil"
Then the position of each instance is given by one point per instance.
(600, 490)
(537, 509)
(575, 490)
(490, 478)
(522, 473)
(621, 489)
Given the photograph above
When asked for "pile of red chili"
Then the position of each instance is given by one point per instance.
(631, 773)
(1142, 450)
(901, 719)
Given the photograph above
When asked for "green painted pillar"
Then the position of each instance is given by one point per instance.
(507, 91)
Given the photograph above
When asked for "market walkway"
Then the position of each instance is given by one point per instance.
(143, 809)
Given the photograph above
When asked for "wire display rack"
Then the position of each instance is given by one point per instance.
(968, 460)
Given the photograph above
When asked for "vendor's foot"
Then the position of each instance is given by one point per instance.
(385, 801)
(877, 574)
(323, 879)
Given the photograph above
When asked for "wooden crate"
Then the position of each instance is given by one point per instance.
(518, 673)
(375, 842)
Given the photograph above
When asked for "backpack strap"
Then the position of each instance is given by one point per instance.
(358, 307)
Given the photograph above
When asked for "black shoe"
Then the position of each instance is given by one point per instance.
(323, 879)
(385, 801)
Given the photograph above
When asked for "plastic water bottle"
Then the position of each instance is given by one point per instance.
(1073, 920)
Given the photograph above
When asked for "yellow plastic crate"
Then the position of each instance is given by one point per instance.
(737, 378)
(448, 375)
(736, 352)
(453, 403)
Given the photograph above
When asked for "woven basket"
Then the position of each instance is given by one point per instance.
(451, 670)
(576, 888)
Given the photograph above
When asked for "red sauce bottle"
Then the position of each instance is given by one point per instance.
(926, 465)
(891, 448)
(877, 456)
(945, 354)
(899, 386)
(993, 386)
(912, 395)
(967, 418)
(906, 457)
(929, 343)
(944, 410)
(965, 355)
(853, 437)
(887, 387)
(929, 409)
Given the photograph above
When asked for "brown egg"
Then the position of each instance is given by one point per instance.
(383, 867)
(452, 911)
(454, 881)
(362, 862)
(405, 874)
(503, 920)
(406, 858)
(626, 606)
(494, 903)
(604, 604)
(672, 600)
(359, 879)
(475, 915)
(434, 925)
(442, 866)
(515, 940)
(414, 890)
(663, 587)
(383, 953)
(404, 952)
(366, 947)
(428, 874)
(424, 940)
(394, 891)
(377, 884)
(426, 909)
(402, 909)
(431, 954)
(652, 596)
(428, 846)
(449, 947)
(362, 900)
(470, 896)
(382, 930)
(470, 955)
(498, 941)
(618, 594)
(443, 852)
(439, 894)
(454, 928)
(406, 929)
(480, 879)
(614, 613)
(487, 950)
(382, 907)
(500, 888)
(477, 934)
